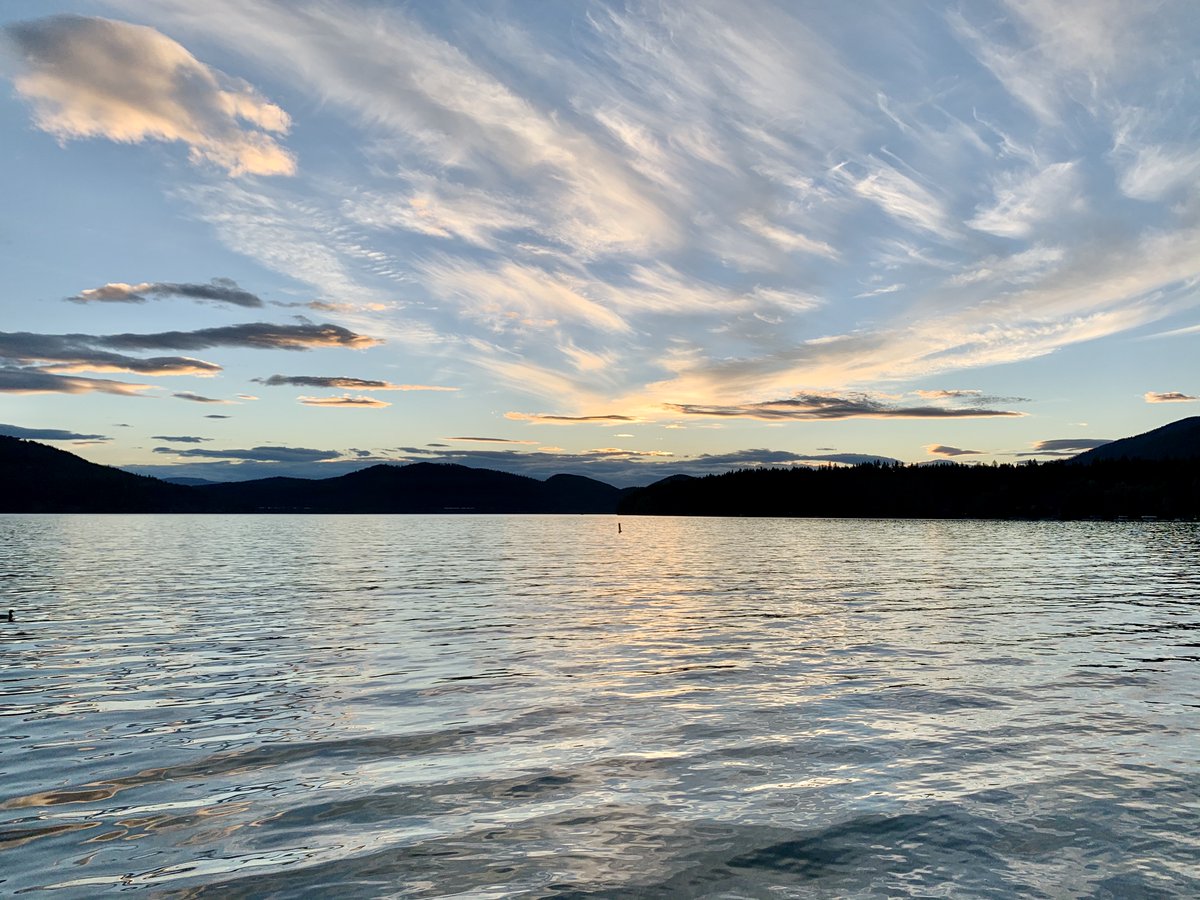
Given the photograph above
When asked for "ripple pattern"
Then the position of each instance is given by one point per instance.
(489, 706)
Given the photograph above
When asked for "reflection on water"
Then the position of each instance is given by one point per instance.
(427, 706)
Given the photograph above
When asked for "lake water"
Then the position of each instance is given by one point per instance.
(419, 706)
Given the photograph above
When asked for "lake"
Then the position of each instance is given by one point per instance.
(489, 706)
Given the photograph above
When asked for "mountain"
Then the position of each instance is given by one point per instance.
(1178, 440)
(415, 488)
(37, 478)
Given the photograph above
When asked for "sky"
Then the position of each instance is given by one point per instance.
(245, 238)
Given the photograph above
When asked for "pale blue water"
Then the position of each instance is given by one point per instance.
(535, 706)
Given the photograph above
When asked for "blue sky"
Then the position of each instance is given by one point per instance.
(248, 237)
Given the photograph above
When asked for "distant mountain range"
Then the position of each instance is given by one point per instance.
(1152, 474)
(38, 478)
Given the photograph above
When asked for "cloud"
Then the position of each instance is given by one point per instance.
(943, 394)
(1023, 199)
(180, 438)
(943, 450)
(543, 419)
(89, 77)
(16, 380)
(258, 335)
(888, 289)
(1065, 445)
(900, 197)
(1024, 267)
(339, 381)
(631, 207)
(81, 352)
(49, 434)
(216, 416)
(196, 398)
(68, 353)
(831, 406)
(485, 440)
(224, 290)
(257, 454)
(1169, 397)
(345, 402)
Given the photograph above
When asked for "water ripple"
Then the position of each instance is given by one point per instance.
(488, 706)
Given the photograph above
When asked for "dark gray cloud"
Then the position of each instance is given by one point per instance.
(34, 380)
(943, 450)
(331, 381)
(1063, 447)
(197, 398)
(180, 438)
(345, 383)
(258, 335)
(222, 290)
(485, 440)
(1077, 445)
(833, 406)
(83, 352)
(215, 416)
(33, 360)
(49, 434)
(257, 454)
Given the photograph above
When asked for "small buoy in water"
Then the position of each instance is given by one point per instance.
(618, 528)
(11, 617)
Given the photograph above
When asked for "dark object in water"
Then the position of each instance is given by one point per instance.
(11, 617)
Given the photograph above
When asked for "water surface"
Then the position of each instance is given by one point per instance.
(482, 706)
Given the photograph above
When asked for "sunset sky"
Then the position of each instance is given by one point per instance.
(243, 237)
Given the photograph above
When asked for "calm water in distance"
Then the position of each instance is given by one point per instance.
(490, 706)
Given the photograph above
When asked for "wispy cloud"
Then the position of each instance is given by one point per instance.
(257, 454)
(197, 398)
(828, 406)
(345, 402)
(345, 383)
(180, 438)
(222, 290)
(545, 419)
(489, 440)
(32, 380)
(1022, 200)
(89, 77)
